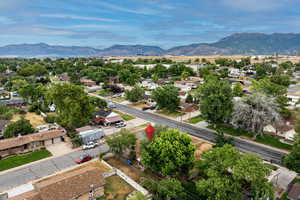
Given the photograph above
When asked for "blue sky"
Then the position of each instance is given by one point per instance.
(167, 23)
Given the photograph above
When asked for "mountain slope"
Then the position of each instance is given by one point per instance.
(242, 43)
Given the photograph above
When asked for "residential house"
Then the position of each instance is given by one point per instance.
(64, 77)
(185, 86)
(149, 84)
(88, 82)
(294, 193)
(90, 134)
(80, 183)
(188, 107)
(106, 117)
(31, 142)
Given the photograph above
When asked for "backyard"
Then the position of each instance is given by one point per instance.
(116, 189)
(35, 120)
(19, 160)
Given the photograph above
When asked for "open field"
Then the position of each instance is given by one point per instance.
(35, 120)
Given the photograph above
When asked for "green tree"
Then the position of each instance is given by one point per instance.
(189, 98)
(185, 75)
(292, 160)
(72, 104)
(221, 140)
(138, 196)
(166, 97)
(169, 153)
(237, 90)
(216, 100)
(254, 112)
(229, 173)
(20, 127)
(98, 102)
(166, 189)
(135, 94)
(121, 142)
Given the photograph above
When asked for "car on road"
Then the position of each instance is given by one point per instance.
(83, 158)
(89, 145)
(148, 108)
(111, 105)
(120, 124)
(116, 95)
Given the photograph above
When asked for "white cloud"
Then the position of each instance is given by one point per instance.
(66, 16)
(256, 5)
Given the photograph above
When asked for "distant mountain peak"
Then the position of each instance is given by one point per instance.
(238, 43)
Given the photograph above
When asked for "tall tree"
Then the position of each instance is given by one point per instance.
(20, 127)
(230, 174)
(216, 100)
(72, 104)
(254, 112)
(292, 160)
(166, 189)
(169, 153)
(121, 142)
(166, 97)
(134, 95)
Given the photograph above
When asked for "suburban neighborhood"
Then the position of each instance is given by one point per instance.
(149, 100)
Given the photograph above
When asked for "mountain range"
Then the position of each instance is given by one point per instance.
(241, 43)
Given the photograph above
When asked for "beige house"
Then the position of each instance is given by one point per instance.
(31, 142)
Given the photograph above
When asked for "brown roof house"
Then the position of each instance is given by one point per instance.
(294, 193)
(31, 142)
(87, 82)
(80, 183)
(106, 117)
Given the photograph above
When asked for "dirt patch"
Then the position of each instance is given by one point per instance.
(116, 189)
(35, 120)
(201, 147)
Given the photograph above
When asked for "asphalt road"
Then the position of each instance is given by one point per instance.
(265, 152)
(43, 168)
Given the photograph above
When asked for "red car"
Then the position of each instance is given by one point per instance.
(83, 158)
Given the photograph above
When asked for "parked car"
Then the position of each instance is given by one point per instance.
(116, 95)
(89, 145)
(148, 108)
(84, 158)
(120, 124)
(111, 105)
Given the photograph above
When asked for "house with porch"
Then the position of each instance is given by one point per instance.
(106, 117)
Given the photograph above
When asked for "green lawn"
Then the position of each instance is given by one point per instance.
(125, 116)
(170, 114)
(196, 119)
(19, 160)
(267, 140)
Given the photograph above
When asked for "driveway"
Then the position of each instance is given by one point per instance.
(59, 149)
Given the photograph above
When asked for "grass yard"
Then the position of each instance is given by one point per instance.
(35, 120)
(104, 93)
(125, 116)
(195, 120)
(267, 140)
(116, 189)
(170, 114)
(118, 99)
(19, 160)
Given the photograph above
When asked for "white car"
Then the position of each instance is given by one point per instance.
(120, 125)
(111, 105)
(89, 145)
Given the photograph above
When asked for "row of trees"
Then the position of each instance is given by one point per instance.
(224, 173)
